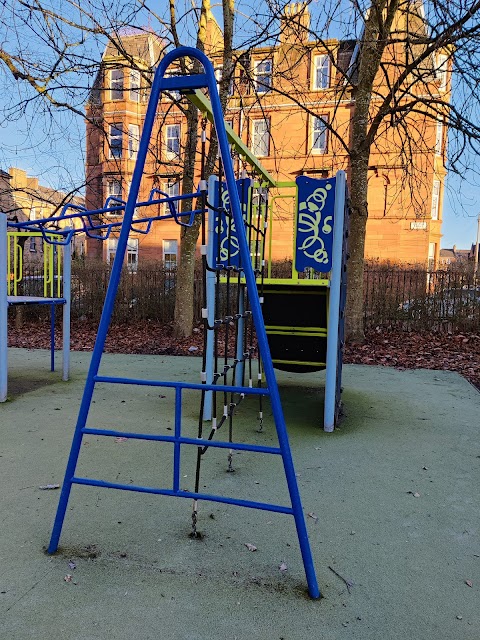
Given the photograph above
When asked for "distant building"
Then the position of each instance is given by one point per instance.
(404, 225)
(22, 197)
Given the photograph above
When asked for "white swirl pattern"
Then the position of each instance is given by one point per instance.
(309, 221)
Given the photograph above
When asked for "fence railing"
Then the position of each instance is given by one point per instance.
(408, 299)
(418, 299)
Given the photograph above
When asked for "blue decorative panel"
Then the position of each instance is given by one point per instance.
(314, 240)
(225, 225)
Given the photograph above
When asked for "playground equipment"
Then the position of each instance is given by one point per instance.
(235, 260)
(308, 333)
(51, 287)
(179, 441)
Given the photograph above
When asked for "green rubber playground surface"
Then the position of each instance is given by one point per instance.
(392, 498)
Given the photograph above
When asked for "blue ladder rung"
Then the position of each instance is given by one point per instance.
(199, 442)
(265, 506)
(257, 391)
(197, 81)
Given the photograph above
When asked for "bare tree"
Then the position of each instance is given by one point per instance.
(401, 53)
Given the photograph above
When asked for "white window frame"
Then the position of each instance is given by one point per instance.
(263, 76)
(442, 71)
(133, 140)
(115, 134)
(261, 139)
(435, 209)
(132, 254)
(439, 137)
(321, 72)
(167, 250)
(171, 188)
(112, 244)
(319, 134)
(135, 82)
(172, 141)
(114, 188)
(117, 79)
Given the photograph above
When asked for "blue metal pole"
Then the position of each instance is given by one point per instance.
(334, 303)
(52, 337)
(3, 308)
(67, 296)
(178, 434)
(261, 333)
(109, 300)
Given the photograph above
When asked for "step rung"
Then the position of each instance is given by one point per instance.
(265, 506)
(256, 391)
(198, 442)
(296, 331)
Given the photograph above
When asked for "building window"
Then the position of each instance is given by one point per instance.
(439, 137)
(170, 254)
(260, 137)
(321, 72)
(33, 243)
(435, 199)
(172, 189)
(442, 71)
(111, 249)
(135, 85)
(33, 213)
(263, 75)
(173, 141)
(133, 139)
(114, 188)
(116, 84)
(132, 254)
(319, 134)
(116, 135)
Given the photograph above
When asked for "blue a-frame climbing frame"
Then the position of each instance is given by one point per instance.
(206, 79)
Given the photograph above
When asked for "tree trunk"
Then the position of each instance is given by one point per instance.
(184, 299)
(184, 293)
(358, 224)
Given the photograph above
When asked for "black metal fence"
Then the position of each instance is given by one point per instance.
(418, 299)
(394, 297)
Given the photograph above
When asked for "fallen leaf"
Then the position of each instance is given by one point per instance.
(68, 578)
(469, 583)
(312, 516)
(415, 494)
(72, 565)
(250, 547)
(47, 487)
(283, 567)
(119, 439)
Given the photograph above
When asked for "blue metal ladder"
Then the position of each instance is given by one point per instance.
(162, 83)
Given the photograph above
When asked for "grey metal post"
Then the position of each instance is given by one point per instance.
(67, 294)
(3, 308)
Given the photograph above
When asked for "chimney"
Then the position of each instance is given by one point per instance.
(295, 23)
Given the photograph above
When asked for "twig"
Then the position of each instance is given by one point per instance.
(348, 583)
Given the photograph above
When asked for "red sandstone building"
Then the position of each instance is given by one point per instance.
(269, 92)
